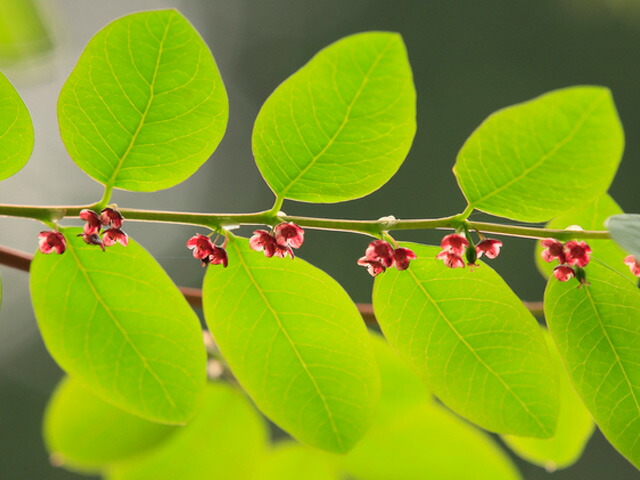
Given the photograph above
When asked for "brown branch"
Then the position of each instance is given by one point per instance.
(21, 261)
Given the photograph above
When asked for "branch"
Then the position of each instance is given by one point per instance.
(215, 221)
(22, 260)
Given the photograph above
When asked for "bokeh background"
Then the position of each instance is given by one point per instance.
(469, 59)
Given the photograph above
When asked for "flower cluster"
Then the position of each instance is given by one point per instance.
(110, 218)
(380, 255)
(633, 264)
(573, 256)
(285, 237)
(206, 251)
(454, 246)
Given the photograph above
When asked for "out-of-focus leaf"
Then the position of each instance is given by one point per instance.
(16, 130)
(83, 432)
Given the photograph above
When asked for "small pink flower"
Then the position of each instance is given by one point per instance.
(577, 253)
(381, 252)
(264, 241)
(111, 217)
(49, 242)
(289, 235)
(113, 235)
(93, 221)
(564, 273)
(92, 239)
(553, 250)
(219, 257)
(402, 257)
(373, 267)
(455, 244)
(633, 264)
(202, 248)
(489, 247)
(450, 259)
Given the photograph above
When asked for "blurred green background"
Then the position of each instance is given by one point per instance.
(469, 59)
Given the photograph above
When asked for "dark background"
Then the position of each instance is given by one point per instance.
(469, 59)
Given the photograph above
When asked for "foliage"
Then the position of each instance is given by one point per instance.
(145, 107)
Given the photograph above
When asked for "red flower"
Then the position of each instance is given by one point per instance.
(111, 217)
(49, 242)
(490, 247)
(577, 253)
(633, 264)
(289, 235)
(263, 241)
(373, 267)
(402, 257)
(219, 257)
(564, 272)
(553, 250)
(202, 248)
(381, 252)
(450, 259)
(113, 235)
(454, 243)
(92, 239)
(93, 221)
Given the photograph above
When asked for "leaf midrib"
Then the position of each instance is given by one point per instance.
(124, 333)
(475, 354)
(365, 80)
(111, 182)
(291, 343)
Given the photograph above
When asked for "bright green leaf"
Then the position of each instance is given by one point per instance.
(16, 130)
(85, 433)
(480, 349)
(597, 331)
(145, 106)
(591, 217)
(625, 230)
(574, 429)
(292, 461)
(342, 125)
(426, 441)
(296, 343)
(224, 441)
(116, 322)
(536, 160)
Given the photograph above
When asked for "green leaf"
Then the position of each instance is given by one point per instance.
(480, 349)
(590, 217)
(597, 331)
(625, 230)
(292, 461)
(296, 343)
(426, 441)
(342, 125)
(85, 433)
(145, 106)
(536, 160)
(16, 130)
(116, 322)
(574, 429)
(225, 440)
